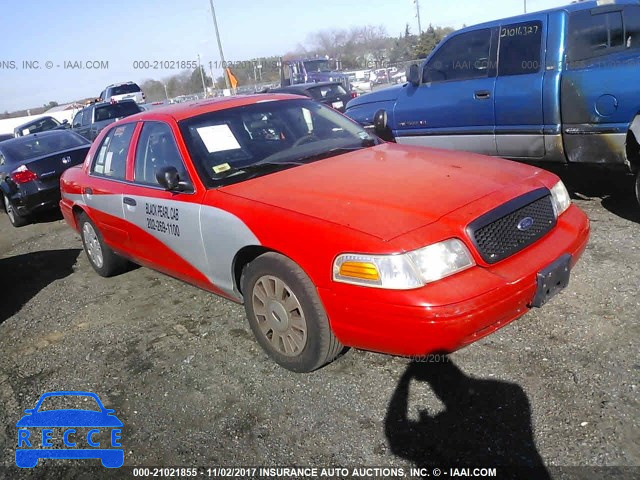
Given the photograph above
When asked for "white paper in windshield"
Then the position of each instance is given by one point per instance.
(218, 138)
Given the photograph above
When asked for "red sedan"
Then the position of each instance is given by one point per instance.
(329, 236)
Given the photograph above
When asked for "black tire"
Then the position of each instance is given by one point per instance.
(637, 189)
(319, 345)
(111, 263)
(15, 218)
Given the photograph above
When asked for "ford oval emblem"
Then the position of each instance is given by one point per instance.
(66, 160)
(525, 224)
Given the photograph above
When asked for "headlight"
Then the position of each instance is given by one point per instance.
(404, 271)
(560, 198)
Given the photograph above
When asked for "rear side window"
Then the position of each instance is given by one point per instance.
(594, 35)
(520, 48)
(116, 110)
(111, 160)
(462, 57)
(123, 89)
(632, 27)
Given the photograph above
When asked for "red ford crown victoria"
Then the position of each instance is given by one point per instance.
(329, 236)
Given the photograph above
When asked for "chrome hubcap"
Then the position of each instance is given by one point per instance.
(92, 244)
(279, 315)
(8, 208)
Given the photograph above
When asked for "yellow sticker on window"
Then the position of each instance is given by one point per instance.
(223, 167)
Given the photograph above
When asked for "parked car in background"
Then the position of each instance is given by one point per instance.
(123, 91)
(556, 86)
(30, 169)
(6, 136)
(40, 124)
(332, 94)
(329, 236)
(89, 121)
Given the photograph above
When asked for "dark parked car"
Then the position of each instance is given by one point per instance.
(6, 136)
(38, 125)
(332, 94)
(91, 119)
(30, 169)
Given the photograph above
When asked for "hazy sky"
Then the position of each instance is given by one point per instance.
(122, 31)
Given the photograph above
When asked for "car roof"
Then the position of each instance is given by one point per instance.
(35, 120)
(121, 83)
(46, 133)
(303, 86)
(182, 111)
(573, 7)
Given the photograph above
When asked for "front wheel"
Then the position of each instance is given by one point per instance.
(102, 258)
(286, 315)
(15, 218)
(638, 186)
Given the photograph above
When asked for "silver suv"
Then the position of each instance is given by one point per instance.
(123, 91)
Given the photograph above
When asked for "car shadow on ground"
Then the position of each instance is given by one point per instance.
(484, 423)
(47, 217)
(23, 276)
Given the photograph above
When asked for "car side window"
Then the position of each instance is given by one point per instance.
(77, 120)
(632, 26)
(86, 116)
(462, 57)
(593, 35)
(520, 48)
(111, 159)
(157, 149)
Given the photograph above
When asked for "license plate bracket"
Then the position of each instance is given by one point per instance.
(552, 280)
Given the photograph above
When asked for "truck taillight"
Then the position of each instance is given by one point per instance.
(354, 94)
(22, 175)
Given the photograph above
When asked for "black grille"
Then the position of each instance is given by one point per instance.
(502, 232)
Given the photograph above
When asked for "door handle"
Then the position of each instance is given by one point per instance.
(482, 94)
(88, 191)
(129, 201)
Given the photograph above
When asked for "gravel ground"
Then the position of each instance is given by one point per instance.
(558, 387)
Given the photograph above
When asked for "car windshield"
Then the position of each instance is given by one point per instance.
(317, 65)
(116, 110)
(64, 402)
(123, 89)
(39, 125)
(238, 143)
(26, 148)
(327, 91)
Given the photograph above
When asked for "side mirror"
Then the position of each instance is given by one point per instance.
(413, 74)
(169, 179)
(380, 121)
(30, 410)
(65, 121)
(381, 127)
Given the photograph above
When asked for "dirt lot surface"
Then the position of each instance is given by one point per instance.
(559, 387)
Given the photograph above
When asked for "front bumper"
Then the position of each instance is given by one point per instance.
(456, 311)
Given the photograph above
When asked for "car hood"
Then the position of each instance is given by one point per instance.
(388, 94)
(387, 190)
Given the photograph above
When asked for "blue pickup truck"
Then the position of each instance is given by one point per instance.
(560, 85)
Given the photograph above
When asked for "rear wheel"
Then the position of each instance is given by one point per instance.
(286, 315)
(102, 258)
(15, 218)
